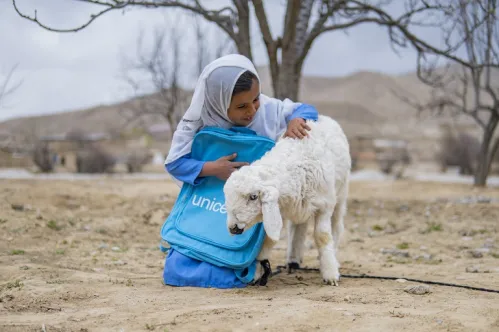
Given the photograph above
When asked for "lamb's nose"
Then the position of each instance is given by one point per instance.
(236, 230)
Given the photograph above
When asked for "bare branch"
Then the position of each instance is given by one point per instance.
(470, 35)
(7, 87)
(154, 73)
(107, 8)
(234, 22)
(302, 23)
(271, 44)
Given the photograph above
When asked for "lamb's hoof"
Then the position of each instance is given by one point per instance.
(332, 282)
(292, 267)
(267, 271)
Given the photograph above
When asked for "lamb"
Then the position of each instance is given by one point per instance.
(301, 181)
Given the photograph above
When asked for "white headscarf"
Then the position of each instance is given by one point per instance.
(211, 100)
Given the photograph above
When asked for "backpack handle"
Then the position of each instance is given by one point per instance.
(242, 130)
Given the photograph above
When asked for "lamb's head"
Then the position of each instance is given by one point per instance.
(249, 200)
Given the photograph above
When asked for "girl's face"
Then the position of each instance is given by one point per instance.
(243, 106)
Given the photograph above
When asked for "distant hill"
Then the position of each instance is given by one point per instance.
(365, 103)
(111, 119)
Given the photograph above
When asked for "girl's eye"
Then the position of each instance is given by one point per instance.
(241, 106)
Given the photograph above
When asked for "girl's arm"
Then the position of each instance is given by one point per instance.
(193, 171)
(304, 111)
(186, 169)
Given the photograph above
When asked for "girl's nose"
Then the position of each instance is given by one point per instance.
(252, 109)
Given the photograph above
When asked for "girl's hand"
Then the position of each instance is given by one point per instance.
(297, 128)
(222, 168)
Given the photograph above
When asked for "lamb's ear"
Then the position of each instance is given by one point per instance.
(272, 220)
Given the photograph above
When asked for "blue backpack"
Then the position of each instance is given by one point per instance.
(196, 226)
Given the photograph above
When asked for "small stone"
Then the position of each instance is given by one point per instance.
(347, 313)
(466, 238)
(489, 243)
(418, 290)
(481, 199)
(472, 269)
(403, 208)
(347, 298)
(423, 248)
(103, 246)
(426, 257)
(119, 262)
(395, 252)
(401, 280)
(475, 253)
(116, 249)
(87, 228)
(17, 207)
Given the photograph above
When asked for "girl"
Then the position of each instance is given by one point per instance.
(227, 94)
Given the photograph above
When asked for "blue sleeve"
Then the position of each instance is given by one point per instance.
(186, 169)
(304, 111)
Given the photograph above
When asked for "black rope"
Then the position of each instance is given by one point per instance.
(366, 276)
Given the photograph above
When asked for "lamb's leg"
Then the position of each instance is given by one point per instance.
(266, 250)
(329, 266)
(339, 215)
(263, 270)
(296, 244)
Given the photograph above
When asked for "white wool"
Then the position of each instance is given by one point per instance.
(302, 181)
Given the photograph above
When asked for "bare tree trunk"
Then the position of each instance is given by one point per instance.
(243, 38)
(287, 86)
(288, 83)
(286, 75)
(482, 170)
(493, 153)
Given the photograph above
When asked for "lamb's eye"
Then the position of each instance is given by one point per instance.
(253, 197)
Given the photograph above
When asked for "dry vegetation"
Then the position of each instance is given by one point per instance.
(83, 256)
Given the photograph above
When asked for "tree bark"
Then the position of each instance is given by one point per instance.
(493, 152)
(482, 170)
(270, 44)
(289, 82)
(243, 38)
(287, 86)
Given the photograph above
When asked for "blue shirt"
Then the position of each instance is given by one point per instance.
(187, 170)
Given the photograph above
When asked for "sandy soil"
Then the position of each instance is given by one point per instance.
(83, 256)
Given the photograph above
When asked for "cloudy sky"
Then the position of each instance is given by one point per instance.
(70, 71)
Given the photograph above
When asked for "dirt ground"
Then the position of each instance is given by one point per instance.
(83, 256)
